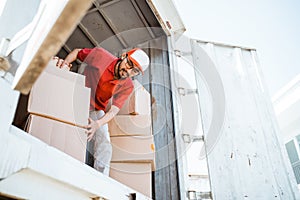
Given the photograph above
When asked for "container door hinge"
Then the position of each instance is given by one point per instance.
(183, 91)
(187, 138)
(179, 53)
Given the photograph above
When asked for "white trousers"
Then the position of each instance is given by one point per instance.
(102, 150)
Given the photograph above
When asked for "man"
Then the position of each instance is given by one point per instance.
(108, 77)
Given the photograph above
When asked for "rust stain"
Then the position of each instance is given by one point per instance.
(168, 24)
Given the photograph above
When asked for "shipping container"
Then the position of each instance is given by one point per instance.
(206, 97)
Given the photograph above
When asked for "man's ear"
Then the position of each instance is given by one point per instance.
(123, 56)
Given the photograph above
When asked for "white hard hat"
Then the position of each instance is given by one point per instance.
(139, 58)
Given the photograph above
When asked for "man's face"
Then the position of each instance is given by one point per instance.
(127, 69)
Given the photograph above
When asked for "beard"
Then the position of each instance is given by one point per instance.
(123, 74)
(120, 74)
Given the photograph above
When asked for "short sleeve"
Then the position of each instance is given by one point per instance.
(83, 53)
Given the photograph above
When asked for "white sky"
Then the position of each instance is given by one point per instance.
(272, 27)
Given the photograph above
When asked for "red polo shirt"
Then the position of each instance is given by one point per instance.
(99, 74)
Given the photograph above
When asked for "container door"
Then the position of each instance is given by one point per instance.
(230, 139)
(192, 166)
(244, 152)
(40, 28)
(167, 15)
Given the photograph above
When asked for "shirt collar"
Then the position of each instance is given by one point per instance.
(111, 67)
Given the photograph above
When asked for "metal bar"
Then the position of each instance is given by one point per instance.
(110, 24)
(198, 86)
(67, 48)
(88, 35)
(108, 3)
(92, 10)
(158, 17)
(139, 12)
(177, 112)
(225, 45)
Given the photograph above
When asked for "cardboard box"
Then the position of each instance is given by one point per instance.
(130, 125)
(139, 102)
(63, 73)
(59, 98)
(133, 149)
(70, 139)
(135, 175)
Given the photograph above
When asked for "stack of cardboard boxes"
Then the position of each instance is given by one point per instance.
(59, 108)
(133, 158)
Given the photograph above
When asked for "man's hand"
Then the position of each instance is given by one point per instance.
(71, 57)
(92, 127)
(61, 62)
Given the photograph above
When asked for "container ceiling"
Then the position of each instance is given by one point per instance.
(114, 25)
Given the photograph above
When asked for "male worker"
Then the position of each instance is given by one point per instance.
(108, 77)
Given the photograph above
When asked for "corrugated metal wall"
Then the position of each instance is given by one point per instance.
(246, 155)
(157, 81)
(118, 25)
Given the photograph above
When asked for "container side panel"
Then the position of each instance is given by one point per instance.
(245, 156)
(166, 175)
(9, 99)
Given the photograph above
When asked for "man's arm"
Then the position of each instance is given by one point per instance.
(93, 126)
(72, 56)
(120, 96)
